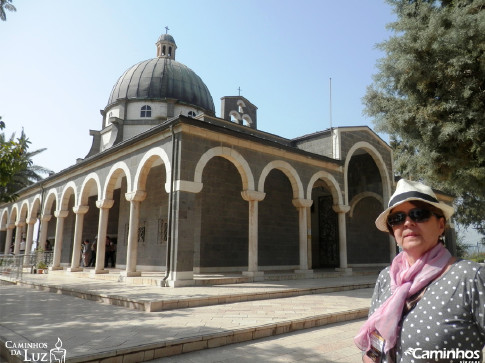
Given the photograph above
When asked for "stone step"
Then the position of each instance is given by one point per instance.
(155, 299)
(101, 333)
(170, 348)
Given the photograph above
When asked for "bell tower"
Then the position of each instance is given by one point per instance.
(166, 46)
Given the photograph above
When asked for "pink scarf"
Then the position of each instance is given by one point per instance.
(406, 280)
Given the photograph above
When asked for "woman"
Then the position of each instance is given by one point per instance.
(427, 306)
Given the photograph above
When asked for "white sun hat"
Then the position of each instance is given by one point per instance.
(407, 191)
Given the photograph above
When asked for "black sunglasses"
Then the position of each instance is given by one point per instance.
(418, 215)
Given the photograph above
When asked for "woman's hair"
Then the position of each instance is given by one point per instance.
(419, 204)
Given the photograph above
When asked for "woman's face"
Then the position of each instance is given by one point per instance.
(417, 238)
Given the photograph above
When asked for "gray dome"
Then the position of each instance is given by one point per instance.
(166, 38)
(160, 79)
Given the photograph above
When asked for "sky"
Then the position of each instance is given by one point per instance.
(305, 64)
(59, 61)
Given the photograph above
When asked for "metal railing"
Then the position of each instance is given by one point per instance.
(13, 266)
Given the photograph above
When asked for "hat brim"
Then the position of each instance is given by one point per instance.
(381, 221)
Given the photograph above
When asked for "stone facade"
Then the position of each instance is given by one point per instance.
(196, 193)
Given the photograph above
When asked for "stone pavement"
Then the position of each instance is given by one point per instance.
(327, 344)
(90, 331)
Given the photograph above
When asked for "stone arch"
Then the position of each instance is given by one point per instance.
(385, 177)
(233, 156)
(50, 198)
(290, 173)
(247, 119)
(35, 207)
(331, 183)
(69, 188)
(240, 103)
(24, 209)
(115, 172)
(355, 200)
(4, 219)
(144, 167)
(89, 183)
(236, 115)
(14, 214)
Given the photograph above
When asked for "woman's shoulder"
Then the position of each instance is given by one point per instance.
(468, 269)
(468, 265)
(384, 277)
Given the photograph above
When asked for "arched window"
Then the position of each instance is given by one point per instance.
(163, 50)
(146, 111)
(192, 114)
(169, 51)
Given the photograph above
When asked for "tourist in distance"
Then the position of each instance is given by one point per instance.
(428, 305)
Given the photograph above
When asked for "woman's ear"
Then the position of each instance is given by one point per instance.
(442, 225)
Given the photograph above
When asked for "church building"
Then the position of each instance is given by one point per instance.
(182, 191)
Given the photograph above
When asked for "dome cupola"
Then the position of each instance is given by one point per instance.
(166, 46)
(162, 79)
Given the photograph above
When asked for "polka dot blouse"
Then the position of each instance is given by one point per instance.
(448, 322)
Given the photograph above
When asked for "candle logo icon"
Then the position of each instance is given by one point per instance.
(58, 354)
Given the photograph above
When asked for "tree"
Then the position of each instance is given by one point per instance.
(429, 96)
(6, 4)
(17, 169)
(11, 159)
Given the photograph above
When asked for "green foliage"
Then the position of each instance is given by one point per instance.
(461, 247)
(6, 5)
(429, 96)
(17, 169)
(41, 265)
(11, 159)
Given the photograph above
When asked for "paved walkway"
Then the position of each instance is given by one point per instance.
(328, 344)
(95, 332)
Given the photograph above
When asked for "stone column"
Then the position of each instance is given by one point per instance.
(44, 224)
(302, 205)
(342, 236)
(135, 198)
(253, 197)
(8, 238)
(18, 237)
(80, 211)
(56, 260)
(181, 271)
(28, 243)
(104, 206)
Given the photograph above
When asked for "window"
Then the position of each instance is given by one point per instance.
(146, 111)
(163, 50)
(192, 114)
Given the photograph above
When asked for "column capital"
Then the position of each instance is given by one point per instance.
(341, 208)
(80, 209)
(61, 213)
(31, 221)
(105, 203)
(255, 195)
(11, 226)
(136, 196)
(46, 218)
(20, 223)
(302, 203)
